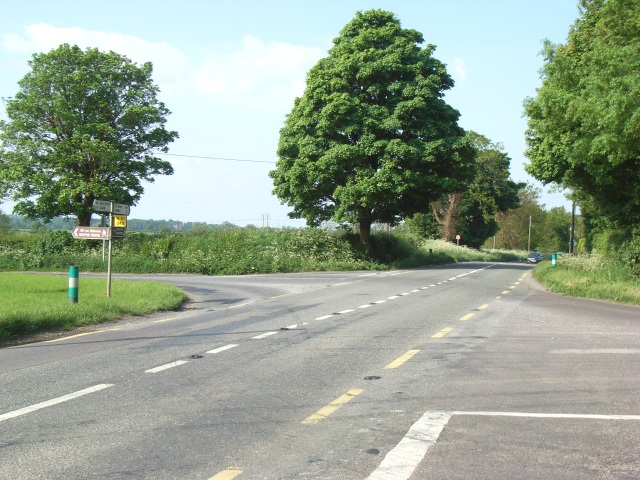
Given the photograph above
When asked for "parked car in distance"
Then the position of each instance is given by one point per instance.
(534, 257)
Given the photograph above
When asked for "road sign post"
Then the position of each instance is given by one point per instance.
(117, 228)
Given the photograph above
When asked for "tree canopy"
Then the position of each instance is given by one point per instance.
(584, 124)
(84, 125)
(491, 191)
(372, 139)
(470, 212)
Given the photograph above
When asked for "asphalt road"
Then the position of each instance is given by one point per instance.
(465, 371)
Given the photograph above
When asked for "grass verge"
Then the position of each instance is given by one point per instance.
(591, 276)
(36, 303)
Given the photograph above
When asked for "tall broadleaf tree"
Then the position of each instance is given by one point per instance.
(490, 192)
(372, 138)
(84, 125)
(471, 213)
(584, 123)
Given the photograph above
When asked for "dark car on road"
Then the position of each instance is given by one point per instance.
(534, 257)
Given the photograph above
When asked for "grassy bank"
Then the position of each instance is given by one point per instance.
(35, 303)
(594, 276)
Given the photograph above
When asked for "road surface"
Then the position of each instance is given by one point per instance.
(463, 371)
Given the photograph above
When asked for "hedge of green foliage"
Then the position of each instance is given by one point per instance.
(231, 252)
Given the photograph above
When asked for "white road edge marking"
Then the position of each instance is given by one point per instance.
(54, 401)
(166, 366)
(222, 349)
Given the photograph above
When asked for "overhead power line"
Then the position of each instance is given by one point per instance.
(216, 158)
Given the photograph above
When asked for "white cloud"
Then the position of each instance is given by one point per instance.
(459, 70)
(169, 63)
(254, 74)
(258, 71)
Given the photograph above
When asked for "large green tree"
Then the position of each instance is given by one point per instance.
(372, 139)
(471, 212)
(491, 192)
(584, 124)
(84, 125)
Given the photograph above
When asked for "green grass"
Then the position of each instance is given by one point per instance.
(35, 303)
(592, 276)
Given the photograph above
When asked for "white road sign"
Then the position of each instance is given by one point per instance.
(92, 233)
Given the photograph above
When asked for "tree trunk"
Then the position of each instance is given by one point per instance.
(364, 229)
(84, 219)
(447, 215)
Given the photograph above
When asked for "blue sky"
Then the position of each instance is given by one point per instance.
(229, 71)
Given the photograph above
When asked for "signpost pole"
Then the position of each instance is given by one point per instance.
(109, 271)
(117, 227)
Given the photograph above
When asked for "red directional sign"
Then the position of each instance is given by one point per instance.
(92, 233)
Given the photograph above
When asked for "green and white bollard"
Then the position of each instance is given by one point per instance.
(554, 260)
(73, 284)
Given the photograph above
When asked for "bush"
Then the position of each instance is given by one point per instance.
(630, 255)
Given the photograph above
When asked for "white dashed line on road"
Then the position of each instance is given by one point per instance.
(166, 366)
(54, 401)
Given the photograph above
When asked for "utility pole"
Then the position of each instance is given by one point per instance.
(265, 220)
(529, 244)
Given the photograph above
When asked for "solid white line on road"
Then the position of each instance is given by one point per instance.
(54, 401)
(393, 298)
(404, 294)
(324, 317)
(69, 337)
(584, 416)
(349, 310)
(264, 335)
(614, 351)
(166, 367)
(222, 349)
(403, 459)
(367, 305)
(380, 301)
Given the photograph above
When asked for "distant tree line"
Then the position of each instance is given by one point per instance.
(15, 222)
